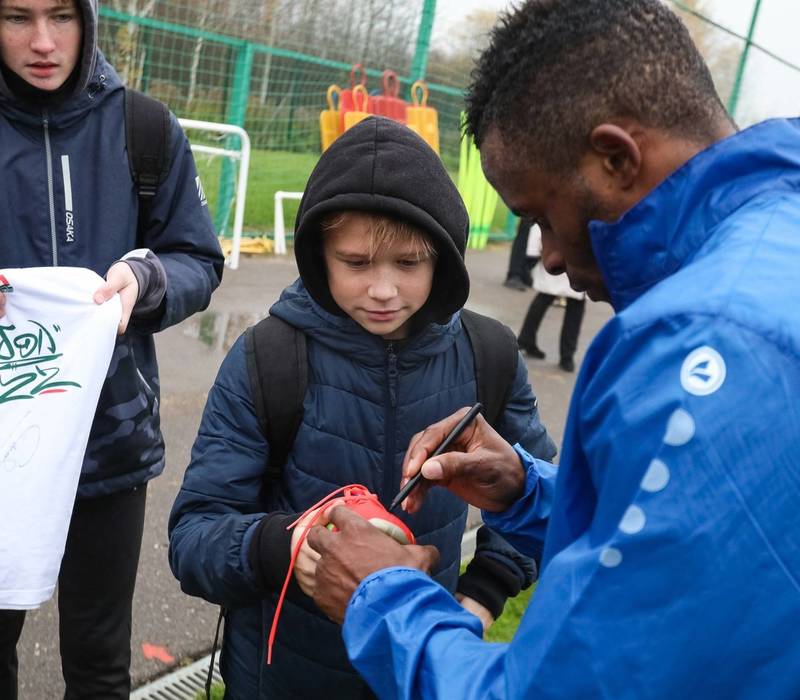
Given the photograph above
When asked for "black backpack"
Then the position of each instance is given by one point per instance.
(147, 138)
(278, 388)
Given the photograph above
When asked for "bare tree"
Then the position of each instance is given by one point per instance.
(451, 61)
(130, 56)
(217, 15)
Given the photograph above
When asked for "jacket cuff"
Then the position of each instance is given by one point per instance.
(152, 280)
(490, 583)
(270, 550)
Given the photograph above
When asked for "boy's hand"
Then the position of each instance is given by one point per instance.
(305, 566)
(2, 304)
(119, 279)
(481, 468)
(473, 606)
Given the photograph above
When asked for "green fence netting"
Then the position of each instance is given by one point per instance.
(266, 65)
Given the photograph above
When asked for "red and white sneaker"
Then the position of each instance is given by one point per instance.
(361, 501)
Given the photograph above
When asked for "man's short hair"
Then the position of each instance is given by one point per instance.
(555, 69)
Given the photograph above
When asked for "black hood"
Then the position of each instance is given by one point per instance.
(381, 166)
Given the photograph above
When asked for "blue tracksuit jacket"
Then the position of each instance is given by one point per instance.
(672, 558)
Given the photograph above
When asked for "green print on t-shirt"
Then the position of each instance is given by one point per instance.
(32, 349)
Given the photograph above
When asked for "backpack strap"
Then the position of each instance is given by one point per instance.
(494, 347)
(147, 137)
(277, 365)
(278, 388)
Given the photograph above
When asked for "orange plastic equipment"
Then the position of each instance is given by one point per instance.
(330, 124)
(360, 500)
(421, 118)
(347, 97)
(360, 107)
(389, 104)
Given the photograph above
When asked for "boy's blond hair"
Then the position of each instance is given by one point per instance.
(383, 231)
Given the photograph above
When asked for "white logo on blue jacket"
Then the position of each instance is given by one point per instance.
(703, 371)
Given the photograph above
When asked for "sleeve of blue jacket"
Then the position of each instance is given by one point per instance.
(522, 426)
(671, 560)
(182, 236)
(498, 571)
(219, 499)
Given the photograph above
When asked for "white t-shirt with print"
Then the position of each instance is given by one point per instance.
(55, 349)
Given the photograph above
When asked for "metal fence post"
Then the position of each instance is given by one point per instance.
(733, 102)
(236, 113)
(420, 64)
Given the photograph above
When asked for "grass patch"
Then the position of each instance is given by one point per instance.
(271, 171)
(506, 625)
(217, 692)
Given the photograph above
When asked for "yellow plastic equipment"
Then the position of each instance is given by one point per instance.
(361, 104)
(479, 197)
(421, 118)
(259, 245)
(329, 121)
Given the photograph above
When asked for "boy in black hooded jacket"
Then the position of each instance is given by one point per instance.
(379, 246)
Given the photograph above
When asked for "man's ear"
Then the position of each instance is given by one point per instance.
(619, 151)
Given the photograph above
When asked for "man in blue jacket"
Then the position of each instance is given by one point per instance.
(67, 199)
(672, 557)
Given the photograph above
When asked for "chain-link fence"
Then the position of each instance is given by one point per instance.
(741, 43)
(266, 65)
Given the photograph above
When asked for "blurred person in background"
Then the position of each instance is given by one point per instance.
(520, 262)
(549, 288)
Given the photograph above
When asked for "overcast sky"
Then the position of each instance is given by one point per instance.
(769, 89)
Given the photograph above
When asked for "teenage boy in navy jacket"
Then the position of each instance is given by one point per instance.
(68, 199)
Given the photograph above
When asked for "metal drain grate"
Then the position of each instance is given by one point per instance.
(183, 684)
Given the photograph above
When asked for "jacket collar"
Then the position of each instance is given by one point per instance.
(664, 231)
(102, 83)
(345, 336)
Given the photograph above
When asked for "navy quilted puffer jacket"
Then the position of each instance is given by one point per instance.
(366, 398)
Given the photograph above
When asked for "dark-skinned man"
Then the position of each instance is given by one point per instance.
(672, 557)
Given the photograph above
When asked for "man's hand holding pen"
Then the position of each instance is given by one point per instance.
(480, 467)
(354, 552)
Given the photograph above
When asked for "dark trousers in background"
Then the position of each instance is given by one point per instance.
(570, 328)
(520, 264)
(10, 630)
(95, 599)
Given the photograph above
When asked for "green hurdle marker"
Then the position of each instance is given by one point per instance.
(479, 197)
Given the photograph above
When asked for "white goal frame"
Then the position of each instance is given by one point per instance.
(243, 156)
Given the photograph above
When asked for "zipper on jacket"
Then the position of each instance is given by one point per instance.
(389, 485)
(49, 155)
(94, 88)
